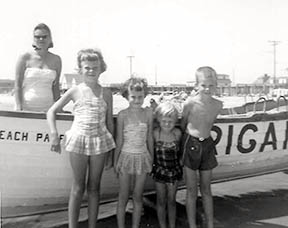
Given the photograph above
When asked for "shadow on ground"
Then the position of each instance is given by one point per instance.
(253, 210)
(257, 209)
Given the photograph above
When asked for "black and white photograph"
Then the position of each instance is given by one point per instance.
(144, 114)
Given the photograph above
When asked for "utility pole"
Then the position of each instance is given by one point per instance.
(274, 44)
(156, 82)
(131, 58)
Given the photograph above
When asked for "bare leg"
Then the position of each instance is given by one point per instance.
(96, 165)
(79, 167)
(205, 188)
(172, 189)
(124, 188)
(161, 203)
(137, 199)
(191, 195)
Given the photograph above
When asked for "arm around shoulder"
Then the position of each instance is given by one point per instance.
(184, 118)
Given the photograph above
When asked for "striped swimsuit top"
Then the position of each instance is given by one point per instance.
(89, 113)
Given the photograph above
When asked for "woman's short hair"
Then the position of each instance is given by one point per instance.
(136, 84)
(45, 27)
(91, 54)
(166, 109)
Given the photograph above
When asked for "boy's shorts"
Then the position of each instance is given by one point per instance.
(198, 153)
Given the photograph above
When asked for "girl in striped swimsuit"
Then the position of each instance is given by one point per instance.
(134, 150)
(90, 138)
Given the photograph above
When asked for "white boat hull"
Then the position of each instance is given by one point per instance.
(32, 176)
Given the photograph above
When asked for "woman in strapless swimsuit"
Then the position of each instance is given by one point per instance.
(37, 74)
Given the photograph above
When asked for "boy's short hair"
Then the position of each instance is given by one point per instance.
(136, 84)
(168, 109)
(208, 71)
(91, 54)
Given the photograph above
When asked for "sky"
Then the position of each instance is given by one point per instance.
(168, 39)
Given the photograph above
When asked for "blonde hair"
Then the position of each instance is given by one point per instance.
(166, 109)
(91, 54)
(208, 72)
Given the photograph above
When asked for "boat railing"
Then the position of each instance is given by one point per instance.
(264, 104)
(278, 102)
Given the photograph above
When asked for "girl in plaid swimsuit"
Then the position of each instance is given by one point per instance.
(90, 138)
(167, 170)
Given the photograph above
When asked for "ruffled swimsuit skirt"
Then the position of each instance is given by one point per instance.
(135, 157)
(88, 134)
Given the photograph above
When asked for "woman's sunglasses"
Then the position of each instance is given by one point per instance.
(40, 37)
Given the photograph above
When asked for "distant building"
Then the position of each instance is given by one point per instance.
(190, 83)
(265, 79)
(282, 81)
(223, 80)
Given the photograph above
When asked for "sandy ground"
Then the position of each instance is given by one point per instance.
(248, 203)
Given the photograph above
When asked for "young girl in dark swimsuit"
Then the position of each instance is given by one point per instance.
(167, 170)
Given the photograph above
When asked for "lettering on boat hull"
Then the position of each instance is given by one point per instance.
(232, 138)
(250, 137)
(25, 136)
